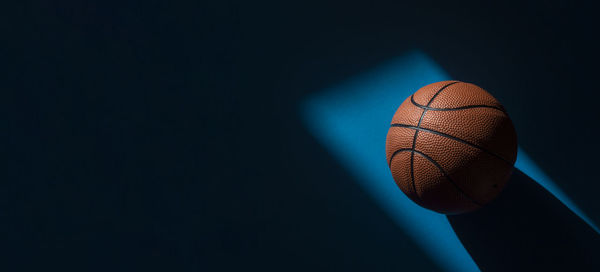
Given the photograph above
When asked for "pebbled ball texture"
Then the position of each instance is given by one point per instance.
(451, 147)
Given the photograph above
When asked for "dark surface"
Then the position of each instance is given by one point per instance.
(160, 135)
(527, 229)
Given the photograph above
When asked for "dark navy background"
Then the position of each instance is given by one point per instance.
(166, 136)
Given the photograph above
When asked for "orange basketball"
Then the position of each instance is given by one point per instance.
(451, 147)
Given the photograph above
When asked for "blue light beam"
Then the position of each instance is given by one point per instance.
(352, 119)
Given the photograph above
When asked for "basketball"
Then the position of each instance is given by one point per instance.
(451, 147)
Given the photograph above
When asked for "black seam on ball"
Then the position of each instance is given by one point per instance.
(453, 138)
(412, 155)
(412, 100)
(436, 164)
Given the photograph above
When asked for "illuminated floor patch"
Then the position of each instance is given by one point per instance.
(352, 119)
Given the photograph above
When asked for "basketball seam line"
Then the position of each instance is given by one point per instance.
(412, 154)
(454, 109)
(452, 138)
(436, 164)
